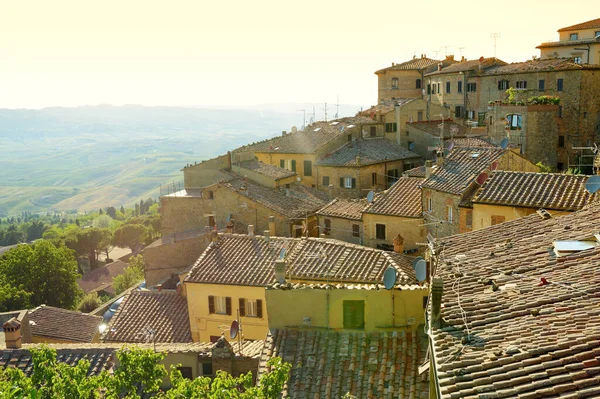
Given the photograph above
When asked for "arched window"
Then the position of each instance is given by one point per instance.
(394, 83)
(418, 83)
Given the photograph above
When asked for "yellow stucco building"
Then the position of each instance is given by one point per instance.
(581, 42)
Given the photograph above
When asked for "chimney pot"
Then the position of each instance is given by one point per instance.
(267, 235)
(229, 227)
(399, 244)
(214, 236)
(250, 229)
(272, 226)
(280, 271)
(12, 333)
(428, 168)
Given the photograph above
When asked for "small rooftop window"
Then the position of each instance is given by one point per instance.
(475, 155)
(349, 126)
(569, 247)
(334, 123)
(317, 129)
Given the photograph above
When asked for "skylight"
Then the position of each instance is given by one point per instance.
(317, 129)
(569, 247)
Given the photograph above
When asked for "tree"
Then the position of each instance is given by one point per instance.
(134, 273)
(102, 222)
(112, 212)
(48, 273)
(130, 235)
(89, 302)
(139, 372)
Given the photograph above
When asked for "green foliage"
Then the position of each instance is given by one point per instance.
(574, 171)
(138, 373)
(102, 222)
(89, 302)
(543, 167)
(130, 235)
(48, 274)
(13, 298)
(133, 274)
(546, 100)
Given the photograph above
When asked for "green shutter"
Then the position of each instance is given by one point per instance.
(293, 165)
(353, 182)
(282, 163)
(341, 182)
(354, 314)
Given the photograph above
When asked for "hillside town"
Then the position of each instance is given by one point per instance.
(442, 243)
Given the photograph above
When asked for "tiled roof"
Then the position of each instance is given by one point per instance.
(385, 106)
(344, 208)
(306, 141)
(299, 201)
(539, 65)
(461, 167)
(533, 318)
(55, 323)
(472, 65)
(274, 172)
(100, 358)
(369, 151)
(451, 129)
(571, 43)
(358, 120)
(594, 23)
(534, 190)
(402, 199)
(329, 364)
(166, 313)
(414, 64)
(249, 261)
(326, 286)
(473, 142)
(419, 171)
(101, 278)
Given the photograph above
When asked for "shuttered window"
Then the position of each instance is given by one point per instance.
(242, 307)
(219, 305)
(354, 314)
(307, 168)
(211, 304)
(293, 165)
(496, 219)
(259, 308)
(282, 163)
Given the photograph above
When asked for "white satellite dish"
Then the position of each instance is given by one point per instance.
(504, 143)
(421, 270)
(417, 259)
(370, 196)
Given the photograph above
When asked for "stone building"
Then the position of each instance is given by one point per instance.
(581, 42)
(341, 219)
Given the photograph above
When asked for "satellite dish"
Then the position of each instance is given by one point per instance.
(421, 270)
(342, 128)
(417, 260)
(482, 178)
(494, 165)
(446, 152)
(282, 253)
(389, 278)
(592, 184)
(234, 329)
(504, 143)
(411, 146)
(370, 196)
(450, 145)
(228, 217)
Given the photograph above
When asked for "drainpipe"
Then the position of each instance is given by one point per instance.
(397, 114)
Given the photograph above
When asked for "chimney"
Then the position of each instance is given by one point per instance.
(280, 271)
(463, 59)
(357, 160)
(437, 289)
(428, 168)
(399, 244)
(12, 333)
(267, 235)
(397, 118)
(159, 287)
(272, 226)
(331, 190)
(229, 226)
(440, 159)
(214, 236)
(283, 132)
(440, 67)
(250, 229)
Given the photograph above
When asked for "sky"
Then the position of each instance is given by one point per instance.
(245, 53)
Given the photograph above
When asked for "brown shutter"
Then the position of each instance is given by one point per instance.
(353, 182)
(242, 307)
(228, 305)
(259, 308)
(341, 182)
(211, 304)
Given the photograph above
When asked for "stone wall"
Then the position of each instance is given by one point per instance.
(341, 229)
(206, 172)
(436, 220)
(407, 85)
(411, 229)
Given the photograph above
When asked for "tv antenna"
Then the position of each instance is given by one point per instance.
(337, 107)
(325, 109)
(495, 36)
(303, 118)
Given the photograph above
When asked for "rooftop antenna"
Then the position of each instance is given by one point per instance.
(314, 117)
(495, 36)
(592, 184)
(325, 109)
(337, 107)
(370, 196)
(437, 54)
(460, 50)
(446, 49)
(303, 117)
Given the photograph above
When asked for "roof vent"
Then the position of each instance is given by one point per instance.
(569, 247)
(544, 214)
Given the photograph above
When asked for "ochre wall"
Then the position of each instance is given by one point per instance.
(482, 214)
(411, 229)
(341, 229)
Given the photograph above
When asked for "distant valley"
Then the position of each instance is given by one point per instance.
(85, 158)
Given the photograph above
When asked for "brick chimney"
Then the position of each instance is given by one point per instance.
(280, 271)
(214, 236)
(267, 236)
(399, 244)
(272, 226)
(428, 168)
(250, 229)
(12, 333)
(437, 289)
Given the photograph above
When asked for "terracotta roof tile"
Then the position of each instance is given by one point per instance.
(402, 199)
(414, 64)
(534, 190)
(369, 151)
(474, 142)
(249, 261)
(472, 65)
(329, 364)
(164, 312)
(451, 129)
(532, 317)
(461, 167)
(100, 358)
(594, 23)
(101, 278)
(274, 172)
(55, 323)
(386, 106)
(344, 208)
(419, 171)
(539, 65)
(571, 43)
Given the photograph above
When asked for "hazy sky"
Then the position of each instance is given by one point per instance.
(200, 52)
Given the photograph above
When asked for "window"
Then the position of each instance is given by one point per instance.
(597, 34)
(471, 114)
(354, 314)
(438, 89)
(219, 305)
(293, 165)
(429, 204)
(573, 36)
(210, 194)
(458, 111)
(327, 226)
(503, 85)
(459, 90)
(418, 83)
(394, 83)
(373, 179)
(514, 122)
(380, 231)
(393, 175)
(559, 166)
(521, 84)
(481, 118)
(559, 84)
(282, 163)
(560, 111)
(449, 215)
(186, 372)
(390, 127)
(469, 218)
(349, 138)
(428, 89)
(447, 87)
(326, 181)
(577, 60)
(250, 308)
(355, 230)
(373, 132)
(497, 219)
(433, 87)
(307, 168)
(211, 221)
(207, 368)
(584, 114)
(419, 116)
(347, 182)
(561, 141)
(541, 85)
(471, 87)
